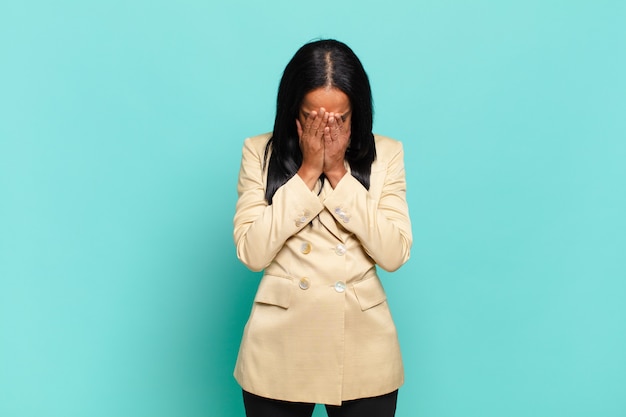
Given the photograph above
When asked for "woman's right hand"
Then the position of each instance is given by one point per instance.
(312, 146)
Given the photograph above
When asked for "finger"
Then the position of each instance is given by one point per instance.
(309, 121)
(324, 123)
(332, 119)
(317, 125)
(339, 121)
(332, 123)
(299, 128)
(334, 128)
(327, 135)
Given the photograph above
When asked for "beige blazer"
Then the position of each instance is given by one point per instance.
(320, 329)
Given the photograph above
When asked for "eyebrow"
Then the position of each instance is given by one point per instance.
(343, 116)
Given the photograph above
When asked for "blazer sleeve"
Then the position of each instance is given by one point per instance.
(382, 225)
(261, 230)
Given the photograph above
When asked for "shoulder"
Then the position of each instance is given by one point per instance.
(256, 144)
(387, 148)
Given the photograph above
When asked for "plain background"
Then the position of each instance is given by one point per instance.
(121, 125)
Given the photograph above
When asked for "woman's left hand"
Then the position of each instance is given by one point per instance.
(336, 141)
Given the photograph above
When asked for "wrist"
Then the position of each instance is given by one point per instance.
(309, 176)
(334, 176)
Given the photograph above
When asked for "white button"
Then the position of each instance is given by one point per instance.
(305, 248)
(340, 249)
(304, 283)
(342, 214)
(340, 286)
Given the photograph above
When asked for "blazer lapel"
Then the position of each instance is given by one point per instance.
(327, 219)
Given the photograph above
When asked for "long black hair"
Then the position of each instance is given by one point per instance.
(323, 63)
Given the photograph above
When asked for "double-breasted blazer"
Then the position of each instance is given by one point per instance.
(320, 329)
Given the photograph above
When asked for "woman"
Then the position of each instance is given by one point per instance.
(321, 203)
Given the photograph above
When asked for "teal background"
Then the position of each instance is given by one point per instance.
(121, 125)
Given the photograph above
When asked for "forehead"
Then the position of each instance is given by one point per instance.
(332, 99)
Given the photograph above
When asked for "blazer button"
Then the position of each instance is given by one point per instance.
(345, 217)
(305, 248)
(340, 249)
(304, 283)
(340, 286)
